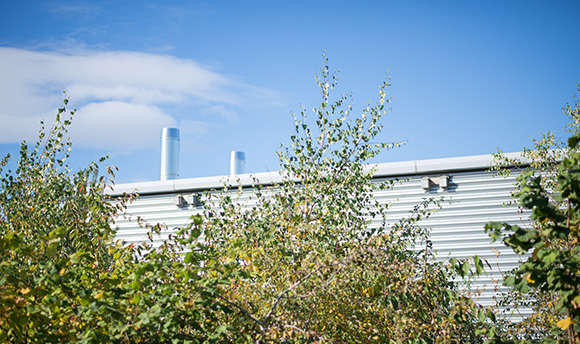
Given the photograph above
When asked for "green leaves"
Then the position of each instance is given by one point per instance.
(548, 278)
(64, 279)
(306, 263)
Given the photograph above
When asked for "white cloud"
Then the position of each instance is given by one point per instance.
(140, 122)
(221, 111)
(85, 8)
(193, 129)
(121, 95)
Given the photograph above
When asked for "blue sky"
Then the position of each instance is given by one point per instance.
(468, 77)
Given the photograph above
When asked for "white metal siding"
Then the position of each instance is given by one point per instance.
(472, 200)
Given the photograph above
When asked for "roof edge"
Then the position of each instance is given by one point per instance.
(387, 169)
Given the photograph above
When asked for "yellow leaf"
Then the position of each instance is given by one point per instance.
(25, 291)
(61, 272)
(564, 323)
(528, 277)
(576, 301)
(99, 295)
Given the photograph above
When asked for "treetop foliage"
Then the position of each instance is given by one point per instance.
(310, 260)
(548, 280)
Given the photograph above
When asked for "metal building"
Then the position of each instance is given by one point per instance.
(472, 196)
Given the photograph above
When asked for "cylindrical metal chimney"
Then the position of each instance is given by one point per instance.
(169, 153)
(237, 162)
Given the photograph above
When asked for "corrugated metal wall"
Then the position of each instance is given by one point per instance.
(472, 200)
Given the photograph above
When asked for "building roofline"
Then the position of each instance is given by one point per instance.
(387, 169)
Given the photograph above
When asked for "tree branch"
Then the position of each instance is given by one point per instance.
(243, 311)
(286, 291)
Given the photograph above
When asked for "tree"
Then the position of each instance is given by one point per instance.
(308, 260)
(548, 279)
(52, 223)
(313, 265)
(63, 278)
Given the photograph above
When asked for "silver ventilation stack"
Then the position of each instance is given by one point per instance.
(237, 163)
(169, 153)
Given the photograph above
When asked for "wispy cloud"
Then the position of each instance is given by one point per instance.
(79, 8)
(122, 96)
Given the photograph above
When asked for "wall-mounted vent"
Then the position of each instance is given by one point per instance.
(428, 183)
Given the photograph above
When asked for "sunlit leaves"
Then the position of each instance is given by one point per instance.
(63, 278)
(548, 279)
(320, 263)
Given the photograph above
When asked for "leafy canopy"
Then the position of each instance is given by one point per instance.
(308, 260)
(548, 280)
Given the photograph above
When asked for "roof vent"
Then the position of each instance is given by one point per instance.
(237, 163)
(169, 153)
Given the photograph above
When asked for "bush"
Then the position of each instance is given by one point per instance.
(548, 280)
(313, 267)
(304, 264)
(63, 278)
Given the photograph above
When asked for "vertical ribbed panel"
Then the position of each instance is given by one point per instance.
(472, 200)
